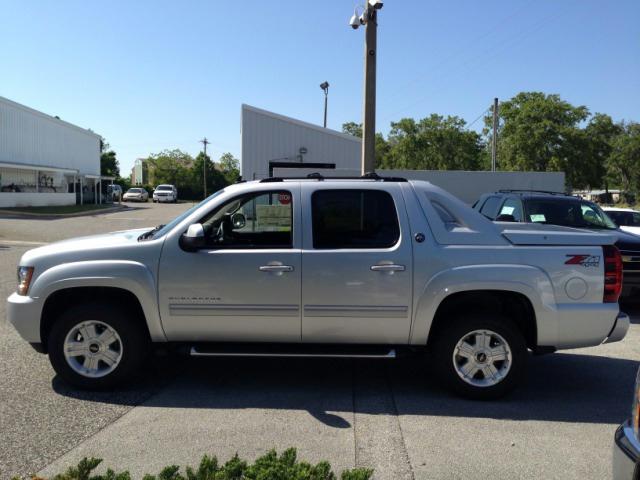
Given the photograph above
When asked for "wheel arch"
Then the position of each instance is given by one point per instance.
(512, 304)
(56, 302)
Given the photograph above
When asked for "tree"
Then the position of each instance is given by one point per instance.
(352, 128)
(433, 143)
(623, 164)
(169, 166)
(541, 133)
(230, 167)
(109, 165)
(382, 148)
(215, 179)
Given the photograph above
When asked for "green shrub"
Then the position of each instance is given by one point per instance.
(268, 467)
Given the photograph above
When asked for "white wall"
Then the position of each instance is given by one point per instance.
(267, 136)
(11, 199)
(34, 138)
(467, 186)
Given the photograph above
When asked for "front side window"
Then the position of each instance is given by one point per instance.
(256, 220)
(354, 219)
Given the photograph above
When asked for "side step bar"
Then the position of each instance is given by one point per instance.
(295, 353)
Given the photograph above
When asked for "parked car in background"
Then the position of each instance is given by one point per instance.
(115, 191)
(362, 267)
(569, 211)
(165, 193)
(627, 219)
(626, 446)
(136, 194)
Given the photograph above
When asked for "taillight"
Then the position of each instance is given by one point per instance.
(612, 274)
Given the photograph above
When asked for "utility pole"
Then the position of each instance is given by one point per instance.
(369, 114)
(325, 87)
(494, 139)
(205, 142)
(369, 18)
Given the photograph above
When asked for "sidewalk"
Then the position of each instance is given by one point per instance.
(249, 415)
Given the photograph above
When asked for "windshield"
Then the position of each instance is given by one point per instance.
(568, 213)
(169, 226)
(134, 190)
(164, 187)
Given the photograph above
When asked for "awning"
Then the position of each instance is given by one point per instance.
(44, 168)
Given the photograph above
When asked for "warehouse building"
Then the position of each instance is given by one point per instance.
(272, 141)
(46, 161)
(274, 145)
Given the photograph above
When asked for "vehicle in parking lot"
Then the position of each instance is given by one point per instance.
(136, 194)
(626, 446)
(551, 208)
(627, 219)
(365, 267)
(115, 191)
(165, 193)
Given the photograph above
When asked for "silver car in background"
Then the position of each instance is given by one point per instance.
(626, 447)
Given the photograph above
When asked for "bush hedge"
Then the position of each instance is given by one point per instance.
(270, 466)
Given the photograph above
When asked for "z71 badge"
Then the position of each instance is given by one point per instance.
(584, 260)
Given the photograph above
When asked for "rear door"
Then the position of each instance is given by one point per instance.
(356, 264)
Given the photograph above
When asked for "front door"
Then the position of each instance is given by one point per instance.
(356, 266)
(244, 285)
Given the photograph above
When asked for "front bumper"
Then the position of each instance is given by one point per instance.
(24, 312)
(626, 454)
(630, 286)
(163, 198)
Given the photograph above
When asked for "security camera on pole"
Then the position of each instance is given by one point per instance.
(369, 18)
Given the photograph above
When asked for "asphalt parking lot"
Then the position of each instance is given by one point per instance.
(388, 415)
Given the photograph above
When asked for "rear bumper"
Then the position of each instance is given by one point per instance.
(626, 454)
(620, 328)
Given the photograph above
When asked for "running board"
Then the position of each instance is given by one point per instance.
(298, 351)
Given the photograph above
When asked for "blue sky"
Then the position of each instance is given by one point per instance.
(163, 74)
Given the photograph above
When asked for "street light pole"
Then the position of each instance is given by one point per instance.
(325, 87)
(205, 142)
(369, 18)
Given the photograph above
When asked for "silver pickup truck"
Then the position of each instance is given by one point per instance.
(369, 267)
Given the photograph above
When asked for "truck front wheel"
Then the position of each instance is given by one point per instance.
(480, 357)
(97, 346)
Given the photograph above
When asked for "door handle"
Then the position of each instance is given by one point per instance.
(276, 268)
(392, 267)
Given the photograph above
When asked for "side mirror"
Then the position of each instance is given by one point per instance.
(193, 238)
(238, 221)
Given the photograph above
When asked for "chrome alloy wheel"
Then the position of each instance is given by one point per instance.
(482, 358)
(93, 349)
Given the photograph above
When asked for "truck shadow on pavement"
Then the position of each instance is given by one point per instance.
(564, 387)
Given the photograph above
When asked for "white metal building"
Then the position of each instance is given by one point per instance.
(45, 160)
(270, 140)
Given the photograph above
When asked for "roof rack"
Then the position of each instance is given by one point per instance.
(320, 177)
(524, 190)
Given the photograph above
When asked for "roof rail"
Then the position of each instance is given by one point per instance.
(318, 176)
(524, 190)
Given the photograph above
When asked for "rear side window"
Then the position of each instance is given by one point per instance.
(353, 219)
(490, 207)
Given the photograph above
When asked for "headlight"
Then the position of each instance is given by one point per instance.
(635, 411)
(24, 279)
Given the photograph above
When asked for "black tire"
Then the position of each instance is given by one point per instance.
(444, 345)
(134, 344)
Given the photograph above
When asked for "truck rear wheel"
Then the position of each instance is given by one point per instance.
(97, 346)
(480, 357)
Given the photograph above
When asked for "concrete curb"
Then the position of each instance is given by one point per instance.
(14, 214)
